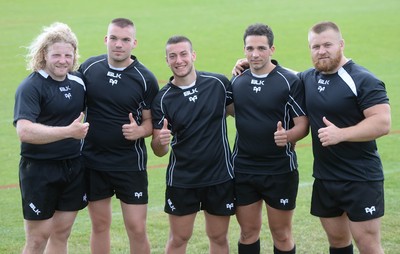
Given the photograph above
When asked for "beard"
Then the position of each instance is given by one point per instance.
(328, 65)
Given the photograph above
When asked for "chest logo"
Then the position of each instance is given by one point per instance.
(66, 90)
(257, 85)
(114, 77)
(192, 94)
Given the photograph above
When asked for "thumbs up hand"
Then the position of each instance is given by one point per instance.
(164, 134)
(79, 129)
(280, 135)
(329, 135)
(132, 130)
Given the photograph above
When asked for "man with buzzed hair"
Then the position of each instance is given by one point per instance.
(120, 90)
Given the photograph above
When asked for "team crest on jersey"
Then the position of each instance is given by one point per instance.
(192, 94)
(65, 90)
(114, 77)
(257, 85)
(322, 84)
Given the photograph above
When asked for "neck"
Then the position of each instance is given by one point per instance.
(120, 64)
(265, 70)
(185, 80)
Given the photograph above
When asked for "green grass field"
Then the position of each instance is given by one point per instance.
(372, 35)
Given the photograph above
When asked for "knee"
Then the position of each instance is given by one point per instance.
(137, 231)
(61, 235)
(100, 225)
(178, 240)
(36, 242)
(282, 235)
(219, 239)
(249, 235)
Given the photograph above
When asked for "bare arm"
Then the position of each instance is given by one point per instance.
(161, 139)
(240, 66)
(294, 134)
(376, 124)
(230, 110)
(36, 133)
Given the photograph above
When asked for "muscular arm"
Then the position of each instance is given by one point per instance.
(376, 124)
(299, 130)
(36, 133)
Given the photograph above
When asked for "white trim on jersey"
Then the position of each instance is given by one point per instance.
(343, 74)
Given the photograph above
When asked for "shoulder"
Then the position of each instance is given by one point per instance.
(76, 77)
(31, 81)
(91, 61)
(142, 69)
(307, 73)
(211, 75)
(358, 71)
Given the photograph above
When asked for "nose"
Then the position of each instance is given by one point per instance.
(118, 43)
(63, 59)
(178, 59)
(321, 50)
(256, 53)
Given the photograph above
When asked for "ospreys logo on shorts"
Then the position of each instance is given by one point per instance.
(370, 210)
(284, 201)
(138, 195)
(230, 206)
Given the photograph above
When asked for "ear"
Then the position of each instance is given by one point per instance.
(272, 50)
(105, 39)
(135, 43)
(194, 55)
(341, 43)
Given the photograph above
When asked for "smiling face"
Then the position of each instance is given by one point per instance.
(258, 53)
(180, 58)
(326, 50)
(59, 60)
(120, 42)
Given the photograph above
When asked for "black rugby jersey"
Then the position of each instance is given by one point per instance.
(41, 99)
(342, 97)
(200, 153)
(260, 102)
(111, 96)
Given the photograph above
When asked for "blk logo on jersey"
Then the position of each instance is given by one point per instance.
(65, 90)
(113, 77)
(191, 94)
(322, 85)
(370, 210)
(258, 84)
(34, 209)
(284, 201)
(138, 194)
(323, 82)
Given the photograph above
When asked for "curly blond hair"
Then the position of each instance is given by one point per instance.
(56, 32)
